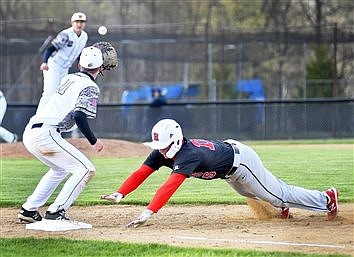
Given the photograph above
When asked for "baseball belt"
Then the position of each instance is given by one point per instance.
(236, 162)
(39, 125)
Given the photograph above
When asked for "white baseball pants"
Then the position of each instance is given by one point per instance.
(63, 158)
(4, 133)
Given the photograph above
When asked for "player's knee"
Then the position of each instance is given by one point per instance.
(90, 167)
(92, 173)
(89, 176)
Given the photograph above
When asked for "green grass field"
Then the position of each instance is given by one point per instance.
(310, 164)
(71, 248)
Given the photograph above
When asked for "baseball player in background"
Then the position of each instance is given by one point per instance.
(6, 135)
(236, 163)
(61, 54)
(74, 102)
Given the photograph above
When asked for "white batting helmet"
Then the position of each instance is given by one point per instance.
(166, 132)
(91, 58)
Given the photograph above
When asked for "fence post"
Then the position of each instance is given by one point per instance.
(304, 96)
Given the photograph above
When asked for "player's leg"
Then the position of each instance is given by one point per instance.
(34, 141)
(70, 159)
(6, 135)
(3, 106)
(72, 189)
(48, 183)
(252, 179)
(48, 145)
(45, 188)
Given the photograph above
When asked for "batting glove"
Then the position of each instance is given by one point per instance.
(147, 214)
(115, 197)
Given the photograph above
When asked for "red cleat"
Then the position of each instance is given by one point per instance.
(332, 203)
(285, 213)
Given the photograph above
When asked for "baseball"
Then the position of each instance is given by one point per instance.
(102, 30)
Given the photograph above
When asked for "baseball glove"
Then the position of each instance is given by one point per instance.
(109, 54)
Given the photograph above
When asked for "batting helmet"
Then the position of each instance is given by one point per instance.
(166, 132)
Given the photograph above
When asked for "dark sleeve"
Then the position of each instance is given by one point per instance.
(48, 53)
(82, 123)
(78, 58)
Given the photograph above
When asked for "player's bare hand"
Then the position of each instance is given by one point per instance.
(141, 219)
(114, 197)
(98, 146)
(44, 66)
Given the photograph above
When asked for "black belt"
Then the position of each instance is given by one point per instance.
(233, 168)
(39, 125)
(230, 173)
(235, 148)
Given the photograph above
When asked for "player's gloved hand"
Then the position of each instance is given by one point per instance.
(115, 197)
(147, 214)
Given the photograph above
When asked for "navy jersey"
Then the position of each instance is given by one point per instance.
(199, 158)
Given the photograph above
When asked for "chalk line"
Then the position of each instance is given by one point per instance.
(249, 241)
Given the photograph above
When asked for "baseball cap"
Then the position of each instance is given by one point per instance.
(78, 16)
(91, 57)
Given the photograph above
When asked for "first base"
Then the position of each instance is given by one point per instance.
(57, 225)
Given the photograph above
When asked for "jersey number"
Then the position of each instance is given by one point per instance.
(204, 175)
(62, 88)
(203, 143)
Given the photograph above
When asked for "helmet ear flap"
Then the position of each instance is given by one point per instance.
(175, 147)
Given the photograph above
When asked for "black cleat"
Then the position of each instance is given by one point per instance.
(59, 215)
(29, 216)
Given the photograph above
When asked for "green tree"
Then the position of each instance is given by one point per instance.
(319, 68)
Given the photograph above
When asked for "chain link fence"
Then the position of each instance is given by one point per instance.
(181, 53)
(242, 120)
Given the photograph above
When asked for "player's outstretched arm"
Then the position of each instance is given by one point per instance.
(130, 184)
(163, 194)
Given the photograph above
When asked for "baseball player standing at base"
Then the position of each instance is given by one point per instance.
(74, 102)
(236, 163)
(61, 54)
(6, 135)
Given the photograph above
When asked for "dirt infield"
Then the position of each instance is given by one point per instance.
(112, 148)
(219, 226)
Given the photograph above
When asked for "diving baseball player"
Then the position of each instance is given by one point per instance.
(6, 135)
(61, 54)
(74, 102)
(230, 160)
